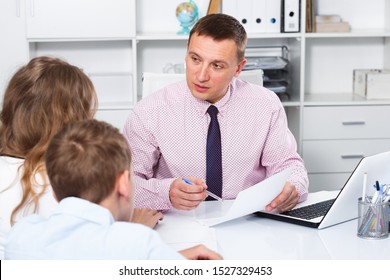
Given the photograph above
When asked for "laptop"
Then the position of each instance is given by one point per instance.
(323, 211)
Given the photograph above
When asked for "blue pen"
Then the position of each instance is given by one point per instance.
(377, 198)
(187, 181)
(381, 193)
(377, 186)
(209, 193)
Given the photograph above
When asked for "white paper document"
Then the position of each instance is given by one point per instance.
(180, 230)
(183, 237)
(248, 201)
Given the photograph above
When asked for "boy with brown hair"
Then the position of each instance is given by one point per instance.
(89, 167)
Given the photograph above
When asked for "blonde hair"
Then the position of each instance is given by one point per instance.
(41, 97)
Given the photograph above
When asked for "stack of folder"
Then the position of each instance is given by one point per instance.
(323, 23)
(310, 18)
(273, 60)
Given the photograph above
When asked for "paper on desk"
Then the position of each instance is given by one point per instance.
(179, 237)
(253, 199)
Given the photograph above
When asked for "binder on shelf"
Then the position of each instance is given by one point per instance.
(291, 13)
(310, 16)
(229, 7)
(250, 13)
(273, 13)
(257, 16)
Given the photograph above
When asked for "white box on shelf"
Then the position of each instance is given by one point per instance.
(372, 83)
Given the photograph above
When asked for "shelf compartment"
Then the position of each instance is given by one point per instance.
(329, 62)
(109, 64)
(113, 88)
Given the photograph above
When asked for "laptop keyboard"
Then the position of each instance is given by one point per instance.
(310, 211)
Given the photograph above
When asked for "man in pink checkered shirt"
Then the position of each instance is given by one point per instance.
(167, 131)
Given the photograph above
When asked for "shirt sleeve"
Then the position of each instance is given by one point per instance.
(280, 152)
(149, 192)
(160, 250)
(136, 241)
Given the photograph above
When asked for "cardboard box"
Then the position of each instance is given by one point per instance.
(372, 83)
(332, 27)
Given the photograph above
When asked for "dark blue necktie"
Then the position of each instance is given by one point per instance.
(214, 155)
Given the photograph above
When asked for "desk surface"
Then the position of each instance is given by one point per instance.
(252, 237)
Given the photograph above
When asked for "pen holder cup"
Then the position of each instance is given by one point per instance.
(373, 221)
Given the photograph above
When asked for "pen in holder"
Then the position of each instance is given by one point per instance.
(388, 211)
(373, 221)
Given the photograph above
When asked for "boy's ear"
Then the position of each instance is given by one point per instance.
(122, 184)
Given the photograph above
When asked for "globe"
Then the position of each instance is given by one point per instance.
(187, 14)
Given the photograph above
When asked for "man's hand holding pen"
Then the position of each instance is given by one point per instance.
(185, 196)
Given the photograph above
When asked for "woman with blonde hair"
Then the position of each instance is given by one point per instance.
(40, 99)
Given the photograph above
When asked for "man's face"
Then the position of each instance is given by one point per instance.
(210, 66)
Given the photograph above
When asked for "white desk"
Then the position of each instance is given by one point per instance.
(253, 238)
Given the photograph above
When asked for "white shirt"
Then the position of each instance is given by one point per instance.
(11, 195)
(79, 229)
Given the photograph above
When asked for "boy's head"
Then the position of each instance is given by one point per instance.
(90, 160)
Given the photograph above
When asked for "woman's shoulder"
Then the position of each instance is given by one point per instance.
(9, 170)
(10, 160)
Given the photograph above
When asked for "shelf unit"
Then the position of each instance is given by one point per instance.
(115, 41)
(337, 127)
